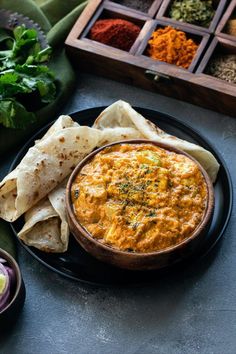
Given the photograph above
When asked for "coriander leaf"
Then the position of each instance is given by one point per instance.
(8, 77)
(18, 31)
(32, 70)
(11, 84)
(30, 83)
(47, 91)
(23, 71)
(29, 60)
(24, 42)
(43, 55)
(14, 115)
(29, 33)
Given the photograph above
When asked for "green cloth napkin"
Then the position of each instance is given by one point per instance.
(55, 17)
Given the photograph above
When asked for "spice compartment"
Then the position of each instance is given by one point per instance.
(108, 11)
(218, 6)
(230, 14)
(219, 47)
(135, 68)
(200, 38)
(149, 7)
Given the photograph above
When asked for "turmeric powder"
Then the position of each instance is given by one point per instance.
(172, 46)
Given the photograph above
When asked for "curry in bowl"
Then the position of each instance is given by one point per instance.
(139, 197)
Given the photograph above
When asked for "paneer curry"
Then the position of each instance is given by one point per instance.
(139, 197)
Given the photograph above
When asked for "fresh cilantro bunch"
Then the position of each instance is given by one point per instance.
(26, 82)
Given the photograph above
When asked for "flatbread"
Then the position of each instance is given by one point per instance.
(121, 115)
(62, 122)
(46, 227)
(44, 166)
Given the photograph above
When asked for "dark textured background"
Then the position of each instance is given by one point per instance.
(192, 312)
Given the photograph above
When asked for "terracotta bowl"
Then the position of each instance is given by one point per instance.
(10, 313)
(135, 260)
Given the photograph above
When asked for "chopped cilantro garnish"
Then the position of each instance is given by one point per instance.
(124, 187)
(76, 193)
(135, 225)
(152, 214)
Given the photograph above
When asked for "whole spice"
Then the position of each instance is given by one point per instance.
(223, 67)
(172, 46)
(231, 27)
(117, 33)
(198, 12)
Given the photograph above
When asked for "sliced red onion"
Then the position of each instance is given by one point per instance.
(4, 299)
(5, 296)
(11, 274)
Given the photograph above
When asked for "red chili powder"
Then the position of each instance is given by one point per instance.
(116, 33)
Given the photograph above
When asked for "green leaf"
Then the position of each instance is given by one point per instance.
(30, 83)
(14, 115)
(11, 84)
(43, 55)
(30, 60)
(47, 91)
(30, 34)
(8, 77)
(32, 70)
(18, 31)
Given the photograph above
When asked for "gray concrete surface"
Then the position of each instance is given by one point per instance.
(194, 312)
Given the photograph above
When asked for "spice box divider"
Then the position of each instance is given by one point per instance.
(223, 22)
(85, 17)
(142, 71)
(151, 12)
(218, 4)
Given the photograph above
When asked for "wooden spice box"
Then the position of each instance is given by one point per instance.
(136, 68)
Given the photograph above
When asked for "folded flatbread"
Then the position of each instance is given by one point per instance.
(121, 115)
(44, 166)
(45, 226)
(61, 123)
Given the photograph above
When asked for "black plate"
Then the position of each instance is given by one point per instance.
(77, 264)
